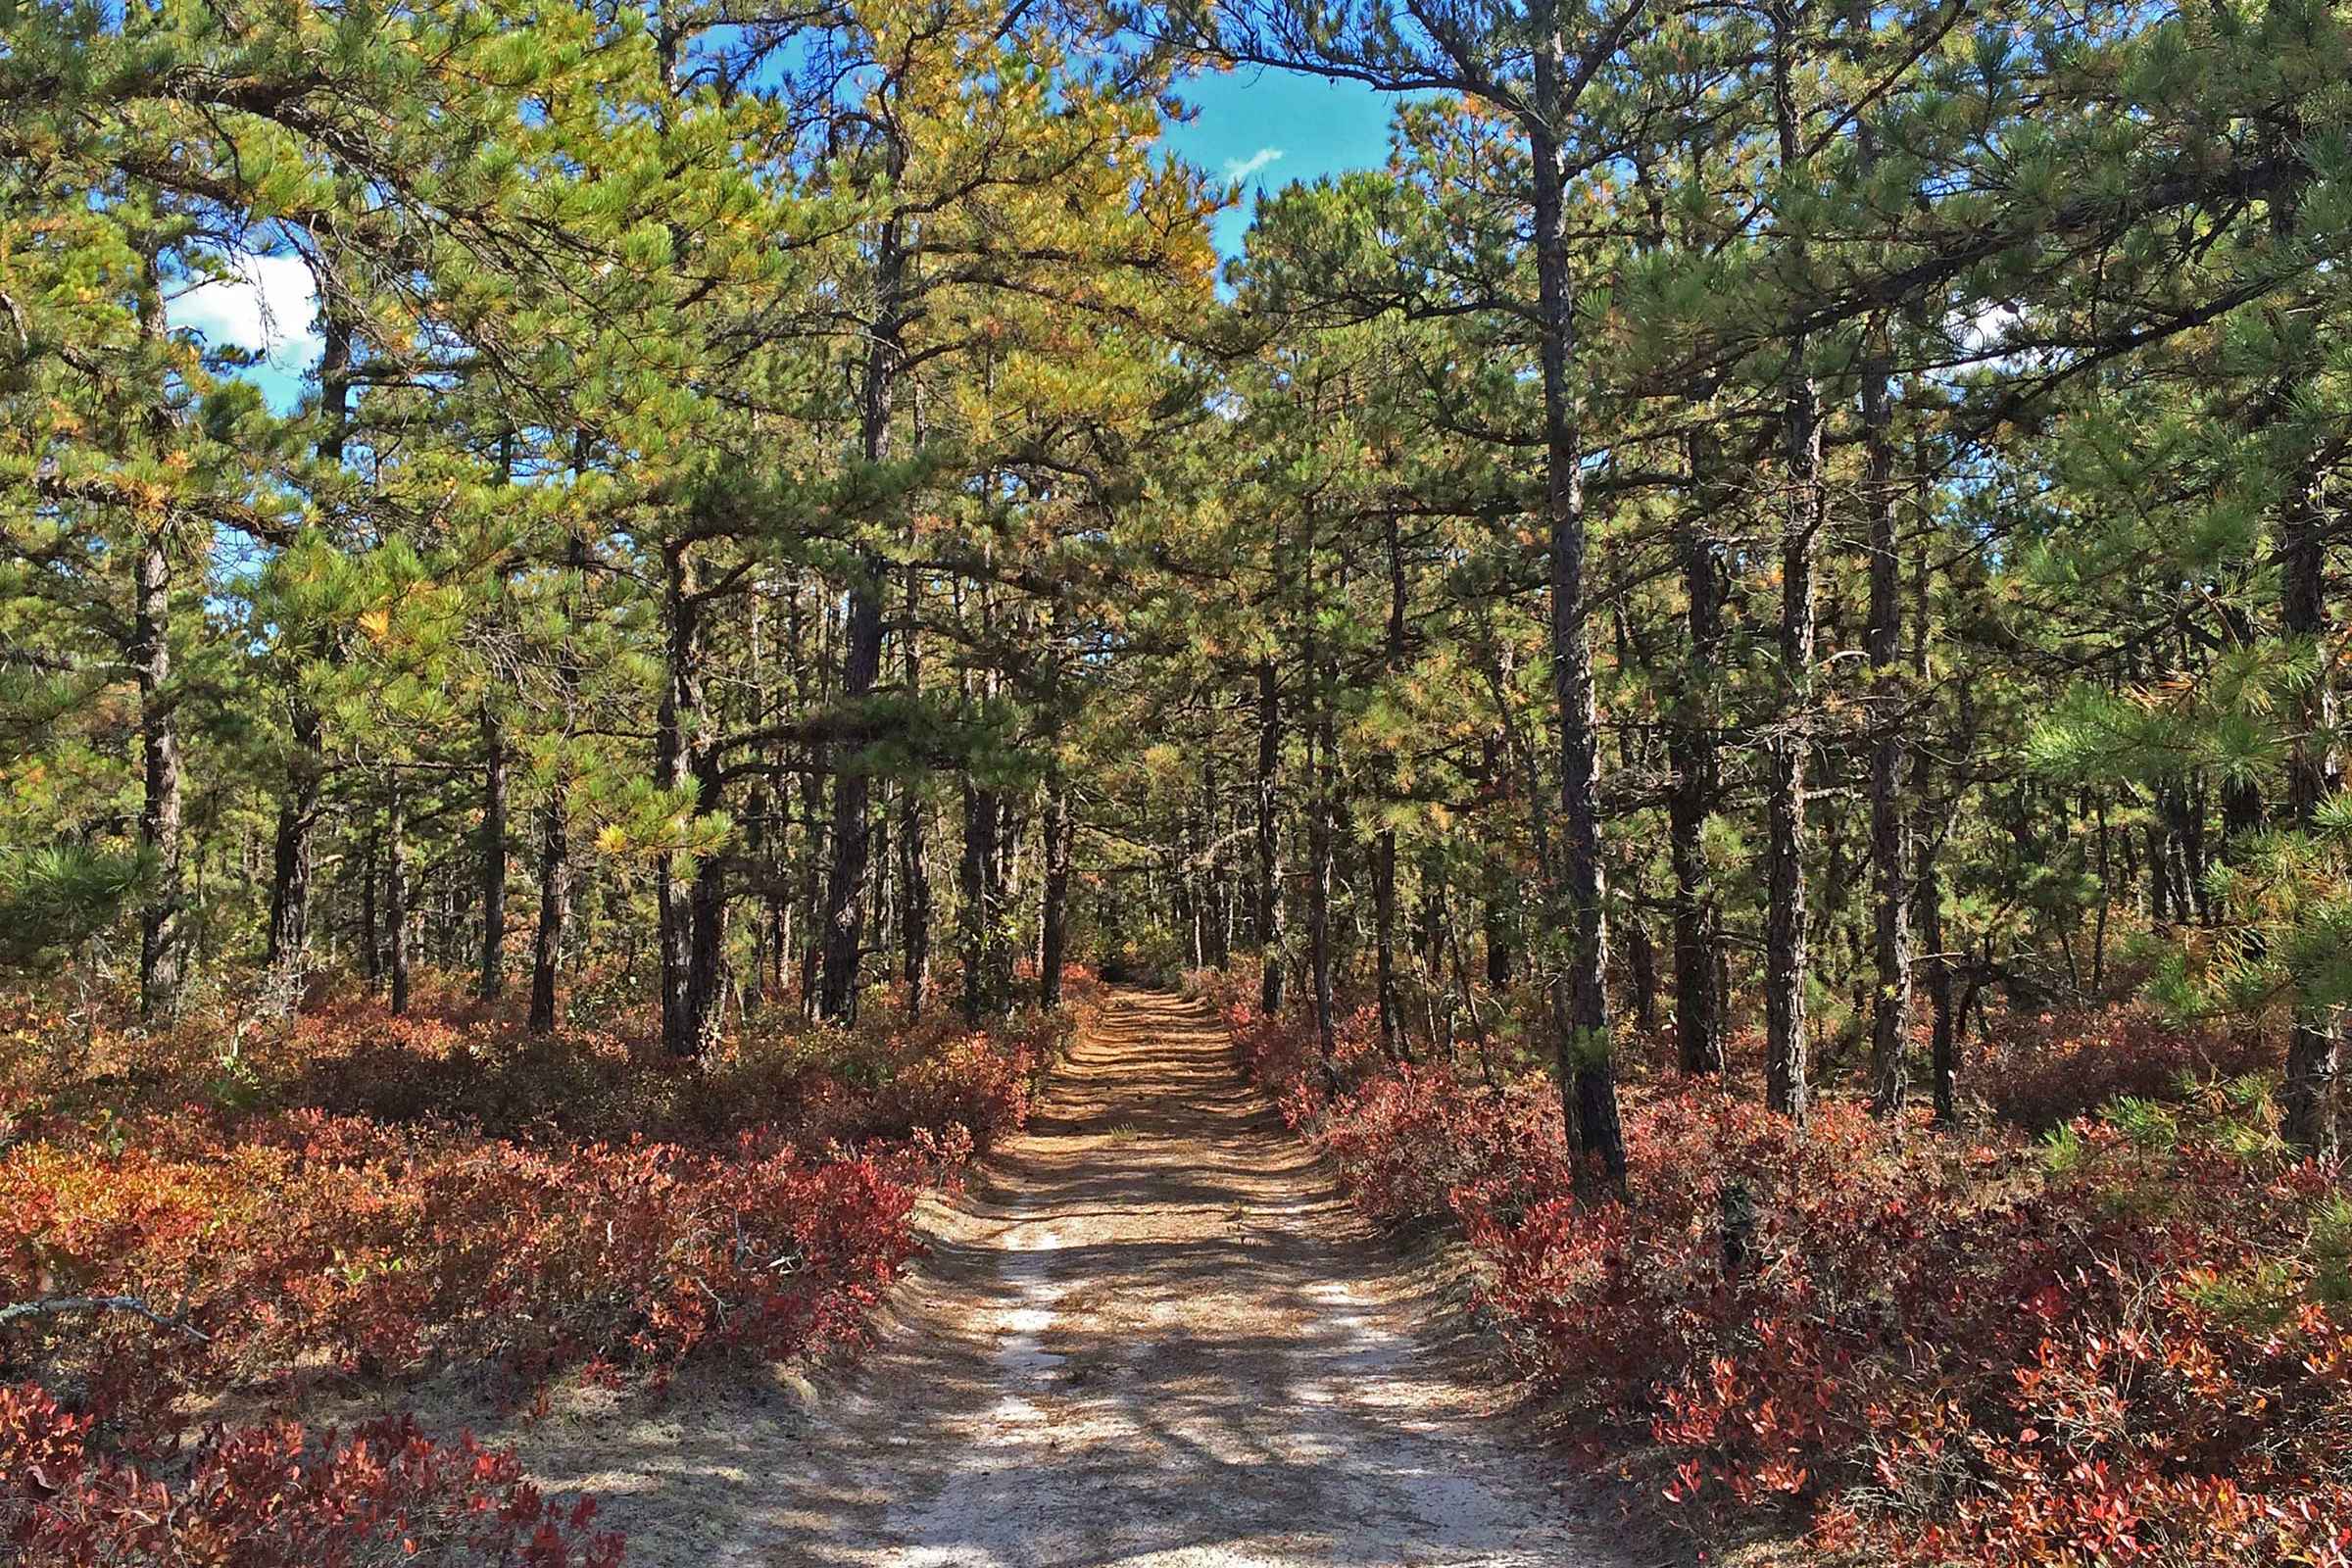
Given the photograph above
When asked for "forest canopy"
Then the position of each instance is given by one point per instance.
(1833, 497)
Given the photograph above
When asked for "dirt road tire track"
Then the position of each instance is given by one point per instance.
(1153, 1335)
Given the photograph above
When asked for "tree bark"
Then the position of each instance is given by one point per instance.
(1013, 829)
(845, 883)
(494, 855)
(979, 906)
(914, 884)
(2315, 773)
(1786, 970)
(1384, 859)
(1889, 821)
(555, 909)
(861, 651)
(160, 805)
(1580, 1004)
(1266, 905)
(1943, 1051)
(293, 857)
(1323, 770)
(915, 872)
(1053, 913)
(810, 681)
(555, 847)
(1690, 757)
(306, 769)
(396, 895)
(372, 944)
(705, 959)
(1499, 914)
(678, 744)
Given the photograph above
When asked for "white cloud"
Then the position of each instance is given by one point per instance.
(1243, 168)
(265, 305)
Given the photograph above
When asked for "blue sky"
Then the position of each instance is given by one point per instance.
(1268, 128)
(1264, 129)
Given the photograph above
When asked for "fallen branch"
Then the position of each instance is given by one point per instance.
(59, 1304)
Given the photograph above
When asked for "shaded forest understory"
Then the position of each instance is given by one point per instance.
(1729, 669)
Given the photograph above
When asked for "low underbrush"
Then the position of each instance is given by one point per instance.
(454, 1061)
(2128, 1342)
(274, 1497)
(209, 1211)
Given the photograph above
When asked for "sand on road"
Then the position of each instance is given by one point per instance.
(1151, 1334)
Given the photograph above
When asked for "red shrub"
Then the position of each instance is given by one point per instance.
(377, 1195)
(267, 1498)
(2042, 1069)
(2133, 1348)
(453, 1063)
(385, 1250)
(383, 1244)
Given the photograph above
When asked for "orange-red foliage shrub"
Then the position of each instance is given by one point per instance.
(382, 1197)
(2040, 1069)
(387, 1249)
(2133, 1346)
(268, 1497)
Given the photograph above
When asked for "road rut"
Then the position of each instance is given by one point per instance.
(1156, 1337)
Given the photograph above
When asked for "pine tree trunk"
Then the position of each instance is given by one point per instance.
(1786, 1071)
(843, 930)
(706, 962)
(914, 873)
(759, 806)
(371, 946)
(1216, 883)
(1890, 822)
(1324, 771)
(1266, 905)
(2315, 773)
(810, 896)
(979, 902)
(555, 848)
(160, 805)
(306, 769)
(853, 840)
(676, 747)
(811, 900)
(1383, 854)
(494, 855)
(555, 908)
(1690, 757)
(852, 846)
(1580, 1004)
(1499, 921)
(914, 884)
(293, 857)
(1053, 915)
(1502, 921)
(1383, 900)
(1013, 831)
(1943, 1051)
(1642, 962)
(396, 896)
(709, 977)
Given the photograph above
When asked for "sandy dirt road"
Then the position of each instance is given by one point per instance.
(1151, 1336)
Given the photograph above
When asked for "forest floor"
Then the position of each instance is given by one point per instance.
(1149, 1334)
